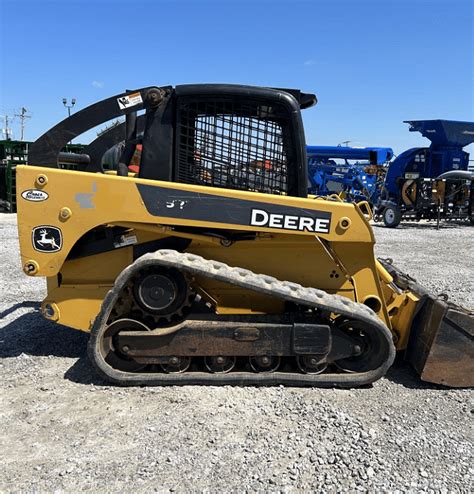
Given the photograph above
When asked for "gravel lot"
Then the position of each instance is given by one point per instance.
(64, 430)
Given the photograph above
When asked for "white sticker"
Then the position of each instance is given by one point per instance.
(34, 195)
(129, 100)
(125, 240)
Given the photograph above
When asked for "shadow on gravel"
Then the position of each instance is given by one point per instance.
(22, 305)
(33, 335)
(82, 372)
(403, 373)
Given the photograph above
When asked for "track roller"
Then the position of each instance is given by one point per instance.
(310, 364)
(219, 364)
(264, 363)
(176, 365)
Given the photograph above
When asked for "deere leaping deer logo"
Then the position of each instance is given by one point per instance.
(47, 239)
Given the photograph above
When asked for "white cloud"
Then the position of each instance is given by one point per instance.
(98, 84)
(309, 62)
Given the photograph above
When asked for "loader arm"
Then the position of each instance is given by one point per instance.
(45, 150)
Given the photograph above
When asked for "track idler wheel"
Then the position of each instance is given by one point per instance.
(264, 363)
(370, 346)
(117, 357)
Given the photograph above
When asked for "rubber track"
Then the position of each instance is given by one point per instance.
(285, 290)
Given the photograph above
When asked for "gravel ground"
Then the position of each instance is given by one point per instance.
(64, 430)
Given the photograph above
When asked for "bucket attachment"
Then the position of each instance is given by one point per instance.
(441, 342)
(441, 345)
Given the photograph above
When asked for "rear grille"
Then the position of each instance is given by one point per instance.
(232, 145)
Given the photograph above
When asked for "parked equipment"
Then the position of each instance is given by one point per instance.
(13, 153)
(211, 265)
(358, 179)
(431, 183)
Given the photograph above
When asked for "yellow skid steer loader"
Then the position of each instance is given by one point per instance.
(209, 263)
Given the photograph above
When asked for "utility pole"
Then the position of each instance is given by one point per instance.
(344, 143)
(6, 129)
(22, 116)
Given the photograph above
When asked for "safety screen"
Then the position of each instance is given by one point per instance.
(232, 144)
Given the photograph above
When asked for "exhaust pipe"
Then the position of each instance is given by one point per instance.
(456, 174)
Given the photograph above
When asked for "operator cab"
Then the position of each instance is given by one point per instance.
(217, 135)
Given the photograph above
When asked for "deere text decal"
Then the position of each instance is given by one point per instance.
(260, 217)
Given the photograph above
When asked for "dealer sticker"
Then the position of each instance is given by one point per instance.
(34, 195)
(129, 100)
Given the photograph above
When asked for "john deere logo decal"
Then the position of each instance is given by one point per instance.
(47, 239)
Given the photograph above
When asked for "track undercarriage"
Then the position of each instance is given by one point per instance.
(149, 333)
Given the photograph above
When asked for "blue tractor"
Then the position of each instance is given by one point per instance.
(358, 178)
(430, 182)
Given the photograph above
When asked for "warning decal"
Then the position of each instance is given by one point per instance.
(129, 100)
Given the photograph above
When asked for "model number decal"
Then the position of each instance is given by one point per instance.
(34, 195)
(260, 217)
(211, 208)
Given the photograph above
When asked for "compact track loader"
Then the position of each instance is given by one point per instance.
(211, 264)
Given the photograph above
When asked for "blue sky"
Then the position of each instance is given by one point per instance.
(372, 63)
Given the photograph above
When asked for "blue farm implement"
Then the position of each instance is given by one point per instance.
(433, 182)
(358, 178)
